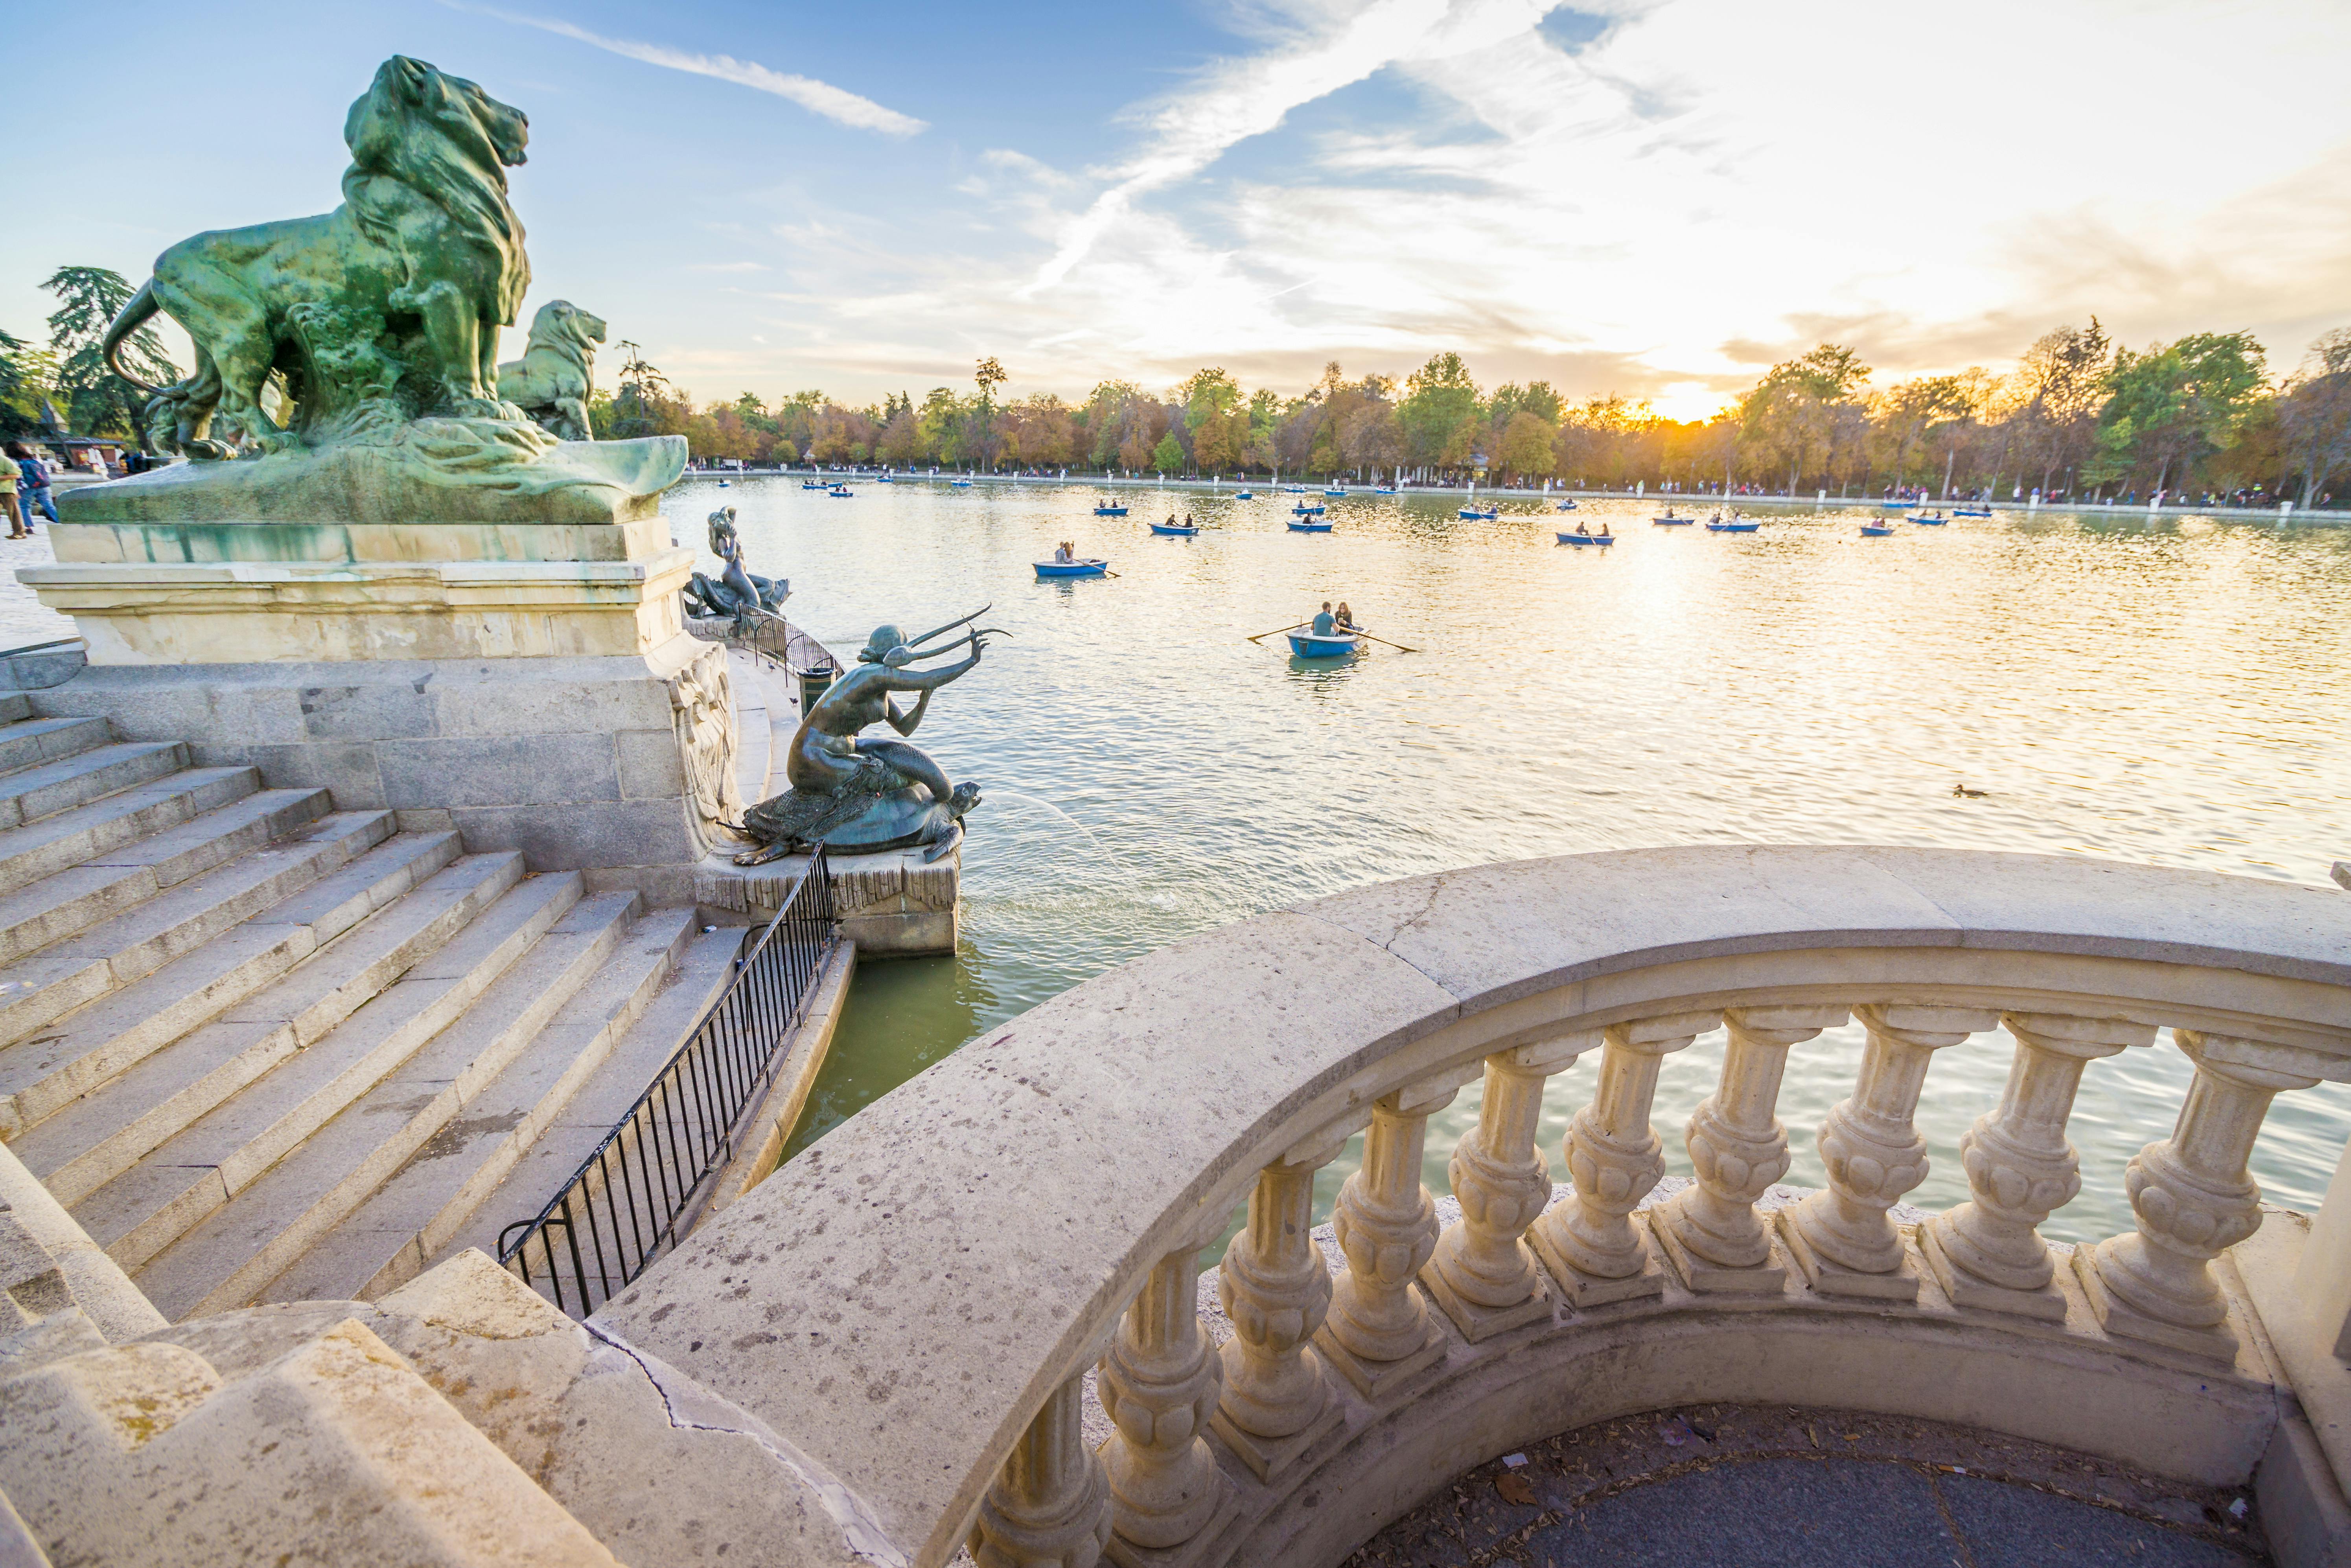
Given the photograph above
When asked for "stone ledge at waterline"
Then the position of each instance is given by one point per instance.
(891, 905)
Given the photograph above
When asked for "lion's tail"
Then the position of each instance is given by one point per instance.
(135, 315)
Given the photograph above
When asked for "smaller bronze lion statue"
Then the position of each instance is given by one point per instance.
(551, 380)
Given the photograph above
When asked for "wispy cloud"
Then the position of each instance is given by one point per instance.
(815, 97)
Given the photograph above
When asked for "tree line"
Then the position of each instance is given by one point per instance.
(2080, 416)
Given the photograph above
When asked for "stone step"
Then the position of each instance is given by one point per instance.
(98, 1136)
(224, 1261)
(135, 943)
(31, 793)
(73, 901)
(57, 843)
(385, 1242)
(30, 741)
(151, 1205)
(703, 968)
(14, 707)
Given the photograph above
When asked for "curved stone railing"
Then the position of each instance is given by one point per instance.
(914, 1304)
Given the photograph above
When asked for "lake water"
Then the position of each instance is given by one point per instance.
(2172, 696)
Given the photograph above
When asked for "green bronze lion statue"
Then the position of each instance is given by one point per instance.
(551, 380)
(384, 312)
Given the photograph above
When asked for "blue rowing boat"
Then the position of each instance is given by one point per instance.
(813, 484)
(958, 483)
(1110, 511)
(1587, 539)
(1892, 503)
(1173, 528)
(1335, 492)
(1307, 645)
(1304, 510)
(1383, 489)
(1732, 527)
(1566, 506)
(1928, 522)
(1876, 531)
(1072, 568)
(1972, 511)
(1471, 513)
(1245, 495)
(1303, 526)
(1673, 522)
(841, 493)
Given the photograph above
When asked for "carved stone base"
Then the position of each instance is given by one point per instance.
(1479, 1323)
(1765, 1279)
(1830, 1279)
(1378, 1380)
(2118, 1316)
(2047, 1303)
(1127, 1554)
(1269, 1456)
(1582, 1290)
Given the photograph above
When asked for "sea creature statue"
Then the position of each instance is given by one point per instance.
(736, 593)
(380, 322)
(860, 797)
(551, 383)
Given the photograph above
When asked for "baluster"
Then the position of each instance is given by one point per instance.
(1276, 1289)
(1593, 1247)
(1483, 1273)
(1378, 1331)
(1158, 1384)
(1049, 1507)
(1988, 1251)
(2193, 1198)
(1710, 1229)
(1843, 1238)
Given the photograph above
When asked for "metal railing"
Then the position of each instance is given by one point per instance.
(771, 637)
(621, 1209)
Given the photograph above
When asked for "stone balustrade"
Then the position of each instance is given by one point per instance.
(914, 1304)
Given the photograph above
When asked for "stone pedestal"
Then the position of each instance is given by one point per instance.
(891, 905)
(530, 683)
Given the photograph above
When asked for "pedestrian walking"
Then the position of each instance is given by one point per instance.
(33, 490)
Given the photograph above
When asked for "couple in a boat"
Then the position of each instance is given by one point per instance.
(1332, 624)
(1602, 534)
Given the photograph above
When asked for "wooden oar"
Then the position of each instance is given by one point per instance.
(1397, 646)
(1263, 635)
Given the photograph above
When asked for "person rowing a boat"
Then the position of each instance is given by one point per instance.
(1583, 527)
(1325, 624)
(1064, 553)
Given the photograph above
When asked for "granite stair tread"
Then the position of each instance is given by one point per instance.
(225, 1260)
(386, 1240)
(73, 900)
(704, 966)
(139, 1213)
(30, 741)
(94, 1138)
(137, 942)
(69, 837)
(28, 794)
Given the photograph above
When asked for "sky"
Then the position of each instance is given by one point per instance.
(1658, 198)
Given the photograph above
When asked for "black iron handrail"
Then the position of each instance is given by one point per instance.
(620, 1211)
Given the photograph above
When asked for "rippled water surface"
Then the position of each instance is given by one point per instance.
(2173, 695)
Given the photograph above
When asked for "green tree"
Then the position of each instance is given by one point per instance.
(1439, 412)
(2176, 403)
(1526, 445)
(1792, 410)
(1205, 394)
(98, 401)
(26, 374)
(1167, 457)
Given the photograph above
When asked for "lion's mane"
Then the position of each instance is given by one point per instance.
(403, 147)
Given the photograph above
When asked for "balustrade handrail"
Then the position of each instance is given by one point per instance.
(972, 1241)
(619, 1210)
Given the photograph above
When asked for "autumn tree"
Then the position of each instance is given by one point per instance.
(1793, 411)
(2315, 414)
(2176, 403)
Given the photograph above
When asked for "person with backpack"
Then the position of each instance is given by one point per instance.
(32, 484)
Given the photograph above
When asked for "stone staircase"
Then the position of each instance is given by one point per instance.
(262, 1050)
